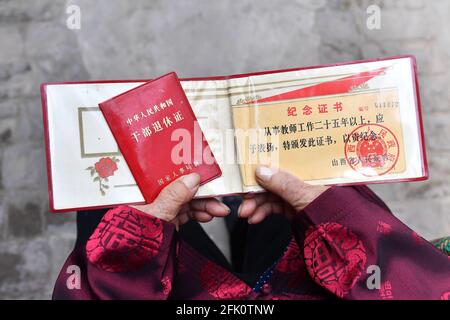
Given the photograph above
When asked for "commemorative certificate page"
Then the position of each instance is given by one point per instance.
(343, 124)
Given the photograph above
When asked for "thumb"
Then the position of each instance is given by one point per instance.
(287, 186)
(175, 195)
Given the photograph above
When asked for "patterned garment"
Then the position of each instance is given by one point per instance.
(337, 242)
(442, 244)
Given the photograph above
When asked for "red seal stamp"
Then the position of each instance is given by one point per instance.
(372, 150)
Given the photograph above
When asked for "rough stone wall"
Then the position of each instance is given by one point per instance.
(142, 39)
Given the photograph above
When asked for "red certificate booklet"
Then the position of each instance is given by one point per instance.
(158, 135)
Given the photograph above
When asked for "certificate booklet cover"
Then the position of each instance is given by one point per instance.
(158, 135)
(349, 123)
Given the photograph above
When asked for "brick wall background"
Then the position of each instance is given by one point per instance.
(142, 39)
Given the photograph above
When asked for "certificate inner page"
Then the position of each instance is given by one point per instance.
(333, 125)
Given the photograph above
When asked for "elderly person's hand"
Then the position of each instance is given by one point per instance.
(174, 203)
(286, 195)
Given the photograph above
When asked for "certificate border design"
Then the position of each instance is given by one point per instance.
(83, 152)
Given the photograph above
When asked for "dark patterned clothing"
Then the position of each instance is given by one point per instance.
(330, 249)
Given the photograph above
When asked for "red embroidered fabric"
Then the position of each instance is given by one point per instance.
(221, 284)
(334, 257)
(124, 240)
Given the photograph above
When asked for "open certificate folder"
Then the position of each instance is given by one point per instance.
(350, 123)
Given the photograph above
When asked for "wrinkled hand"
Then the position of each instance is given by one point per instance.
(174, 204)
(286, 195)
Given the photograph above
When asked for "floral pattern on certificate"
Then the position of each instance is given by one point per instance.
(101, 170)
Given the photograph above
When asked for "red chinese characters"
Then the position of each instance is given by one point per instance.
(320, 108)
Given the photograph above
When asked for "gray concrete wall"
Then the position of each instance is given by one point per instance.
(143, 39)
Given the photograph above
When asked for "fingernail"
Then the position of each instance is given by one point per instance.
(225, 207)
(264, 173)
(249, 220)
(239, 210)
(191, 180)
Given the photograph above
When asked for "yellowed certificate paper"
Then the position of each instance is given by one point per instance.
(352, 135)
